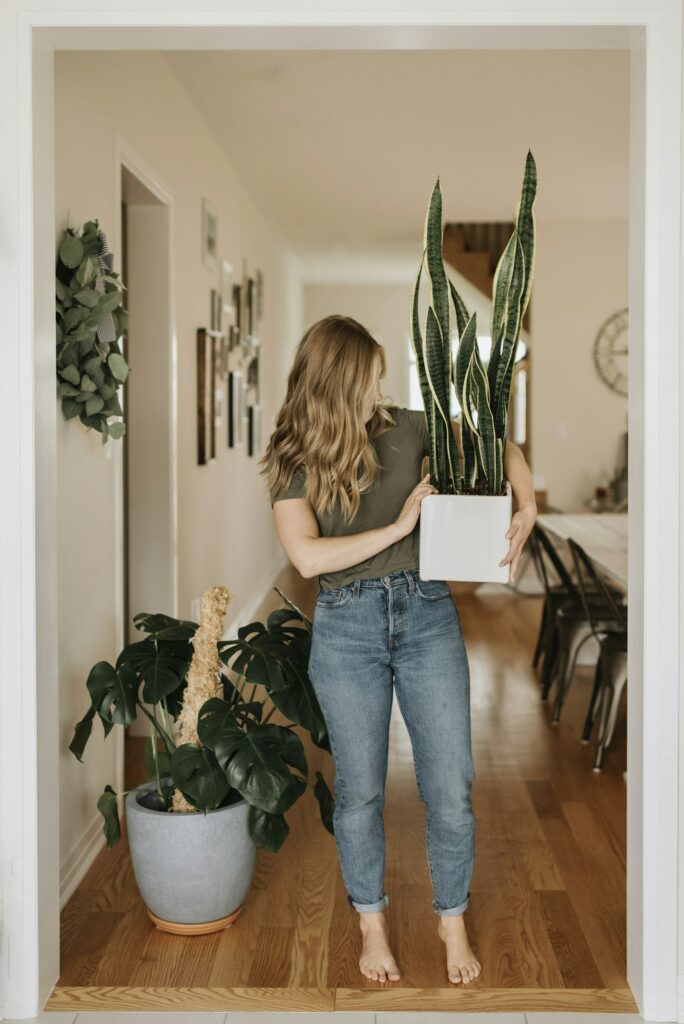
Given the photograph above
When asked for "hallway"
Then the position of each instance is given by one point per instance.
(547, 913)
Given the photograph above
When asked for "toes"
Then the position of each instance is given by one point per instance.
(454, 974)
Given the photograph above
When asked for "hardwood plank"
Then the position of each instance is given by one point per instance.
(462, 1000)
(190, 1000)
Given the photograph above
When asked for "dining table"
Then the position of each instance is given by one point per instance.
(603, 535)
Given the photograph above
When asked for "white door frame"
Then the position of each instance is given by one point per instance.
(125, 155)
(28, 625)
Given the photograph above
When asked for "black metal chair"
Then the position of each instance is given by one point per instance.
(611, 668)
(548, 563)
(563, 626)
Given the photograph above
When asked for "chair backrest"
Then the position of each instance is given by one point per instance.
(543, 551)
(588, 577)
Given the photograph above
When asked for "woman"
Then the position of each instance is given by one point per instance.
(344, 473)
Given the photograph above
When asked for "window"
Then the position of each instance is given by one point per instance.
(484, 343)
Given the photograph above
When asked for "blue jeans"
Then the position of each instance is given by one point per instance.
(368, 636)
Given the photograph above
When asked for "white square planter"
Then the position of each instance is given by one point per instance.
(462, 537)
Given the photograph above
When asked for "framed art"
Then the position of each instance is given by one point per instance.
(217, 386)
(259, 295)
(227, 289)
(251, 306)
(236, 408)
(216, 309)
(206, 442)
(209, 234)
(237, 308)
(230, 410)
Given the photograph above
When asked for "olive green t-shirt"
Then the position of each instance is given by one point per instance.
(400, 452)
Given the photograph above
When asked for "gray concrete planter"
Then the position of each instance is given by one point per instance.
(193, 870)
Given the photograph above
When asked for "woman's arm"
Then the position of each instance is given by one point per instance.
(518, 472)
(311, 554)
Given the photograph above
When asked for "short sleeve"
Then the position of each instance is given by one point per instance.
(418, 421)
(295, 490)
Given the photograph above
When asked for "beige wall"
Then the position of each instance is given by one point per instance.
(226, 532)
(382, 309)
(580, 279)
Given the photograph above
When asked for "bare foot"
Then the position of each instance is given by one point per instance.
(462, 964)
(376, 960)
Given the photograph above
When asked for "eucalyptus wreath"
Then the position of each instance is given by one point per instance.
(90, 320)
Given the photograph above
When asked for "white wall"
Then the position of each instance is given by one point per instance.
(383, 309)
(577, 421)
(226, 532)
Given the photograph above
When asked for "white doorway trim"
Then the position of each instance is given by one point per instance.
(28, 631)
(126, 156)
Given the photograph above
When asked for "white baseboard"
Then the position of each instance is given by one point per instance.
(83, 854)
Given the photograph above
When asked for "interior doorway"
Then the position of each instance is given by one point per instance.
(148, 471)
(654, 291)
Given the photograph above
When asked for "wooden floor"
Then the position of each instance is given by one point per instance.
(547, 909)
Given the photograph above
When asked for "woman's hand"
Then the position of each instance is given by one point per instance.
(408, 517)
(518, 532)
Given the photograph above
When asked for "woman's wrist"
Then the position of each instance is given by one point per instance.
(394, 532)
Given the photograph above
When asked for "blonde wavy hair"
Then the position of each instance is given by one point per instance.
(320, 425)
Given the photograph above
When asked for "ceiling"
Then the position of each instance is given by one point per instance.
(341, 148)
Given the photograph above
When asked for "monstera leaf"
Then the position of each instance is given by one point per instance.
(256, 759)
(112, 692)
(267, 830)
(276, 656)
(161, 662)
(198, 775)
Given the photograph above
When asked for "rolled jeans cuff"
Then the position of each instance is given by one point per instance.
(452, 911)
(369, 908)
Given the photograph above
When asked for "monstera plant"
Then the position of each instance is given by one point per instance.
(483, 393)
(463, 524)
(212, 703)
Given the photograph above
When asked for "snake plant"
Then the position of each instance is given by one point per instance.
(483, 393)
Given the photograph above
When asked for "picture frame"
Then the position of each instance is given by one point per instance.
(206, 441)
(241, 411)
(244, 304)
(235, 409)
(253, 375)
(237, 307)
(216, 309)
(256, 428)
(209, 234)
(259, 295)
(227, 290)
(251, 306)
(230, 409)
(217, 387)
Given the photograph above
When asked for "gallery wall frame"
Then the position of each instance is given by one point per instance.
(209, 234)
(28, 628)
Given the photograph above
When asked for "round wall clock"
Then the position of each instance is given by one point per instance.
(610, 352)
